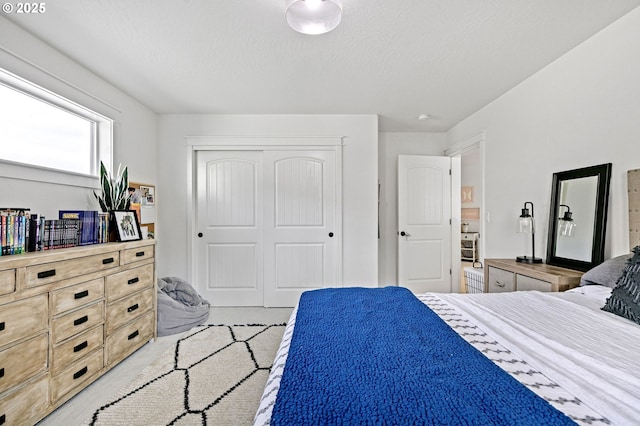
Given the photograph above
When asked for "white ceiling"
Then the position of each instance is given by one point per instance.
(397, 59)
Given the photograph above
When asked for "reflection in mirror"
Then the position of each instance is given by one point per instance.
(577, 220)
(580, 195)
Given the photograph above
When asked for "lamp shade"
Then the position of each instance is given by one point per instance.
(566, 225)
(313, 16)
(525, 224)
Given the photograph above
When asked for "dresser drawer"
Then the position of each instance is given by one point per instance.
(55, 271)
(136, 255)
(27, 404)
(524, 283)
(23, 361)
(129, 338)
(76, 375)
(73, 297)
(76, 322)
(129, 308)
(76, 347)
(127, 282)
(7, 281)
(23, 318)
(500, 280)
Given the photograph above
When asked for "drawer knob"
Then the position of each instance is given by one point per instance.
(133, 280)
(81, 294)
(133, 335)
(2, 326)
(81, 320)
(81, 346)
(499, 284)
(1, 372)
(80, 373)
(47, 274)
(108, 260)
(132, 308)
(140, 254)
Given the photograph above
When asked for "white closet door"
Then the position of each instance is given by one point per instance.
(301, 239)
(229, 224)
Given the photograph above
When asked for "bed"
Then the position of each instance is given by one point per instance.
(560, 346)
(386, 356)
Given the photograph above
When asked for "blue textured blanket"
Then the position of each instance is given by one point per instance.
(380, 356)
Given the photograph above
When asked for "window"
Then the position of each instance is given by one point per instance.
(41, 130)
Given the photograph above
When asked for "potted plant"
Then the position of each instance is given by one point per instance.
(114, 194)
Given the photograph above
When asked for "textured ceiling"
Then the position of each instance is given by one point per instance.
(397, 59)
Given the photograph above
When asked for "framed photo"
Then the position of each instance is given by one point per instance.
(147, 195)
(466, 194)
(126, 224)
(471, 213)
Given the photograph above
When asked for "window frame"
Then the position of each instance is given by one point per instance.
(102, 145)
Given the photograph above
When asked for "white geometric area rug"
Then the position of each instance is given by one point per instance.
(213, 376)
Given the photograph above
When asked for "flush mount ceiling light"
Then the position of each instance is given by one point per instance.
(313, 17)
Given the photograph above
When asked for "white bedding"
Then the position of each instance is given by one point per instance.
(588, 358)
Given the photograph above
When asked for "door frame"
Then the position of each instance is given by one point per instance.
(452, 168)
(455, 151)
(257, 143)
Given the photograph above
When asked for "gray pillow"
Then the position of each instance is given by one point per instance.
(607, 273)
(625, 297)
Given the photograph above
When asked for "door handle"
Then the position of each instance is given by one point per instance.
(405, 234)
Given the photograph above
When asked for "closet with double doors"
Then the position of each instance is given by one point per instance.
(267, 222)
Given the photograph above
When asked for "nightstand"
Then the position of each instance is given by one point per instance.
(501, 275)
(469, 246)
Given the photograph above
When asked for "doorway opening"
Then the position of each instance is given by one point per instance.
(471, 212)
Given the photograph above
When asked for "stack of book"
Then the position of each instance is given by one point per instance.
(22, 232)
(14, 230)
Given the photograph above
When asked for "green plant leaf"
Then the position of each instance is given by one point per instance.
(115, 194)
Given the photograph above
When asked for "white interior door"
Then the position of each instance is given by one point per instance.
(424, 223)
(300, 233)
(229, 224)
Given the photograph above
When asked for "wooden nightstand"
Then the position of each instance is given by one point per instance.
(502, 275)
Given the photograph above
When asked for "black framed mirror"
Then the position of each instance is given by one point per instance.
(578, 217)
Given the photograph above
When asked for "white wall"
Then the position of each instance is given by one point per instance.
(360, 160)
(135, 129)
(390, 146)
(581, 110)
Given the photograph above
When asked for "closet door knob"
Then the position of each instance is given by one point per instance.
(330, 234)
(199, 234)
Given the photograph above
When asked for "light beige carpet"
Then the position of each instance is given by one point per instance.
(213, 376)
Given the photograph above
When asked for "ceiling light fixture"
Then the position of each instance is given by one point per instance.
(424, 117)
(313, 17)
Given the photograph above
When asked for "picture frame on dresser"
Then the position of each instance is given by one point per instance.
(127, 225)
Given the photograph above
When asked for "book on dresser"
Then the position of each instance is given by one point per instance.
(88, 224)
(14, 230)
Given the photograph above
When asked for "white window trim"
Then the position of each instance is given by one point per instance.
(104, 140)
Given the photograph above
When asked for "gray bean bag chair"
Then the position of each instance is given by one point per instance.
(180, 307)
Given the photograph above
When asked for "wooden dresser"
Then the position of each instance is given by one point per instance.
(66, 317)
(508, 275)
